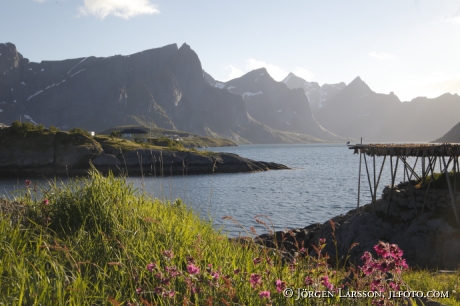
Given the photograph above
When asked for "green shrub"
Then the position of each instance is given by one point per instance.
(24, 128)
(79, 131)
(53, 129)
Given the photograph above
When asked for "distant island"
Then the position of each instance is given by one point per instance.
(32, 150)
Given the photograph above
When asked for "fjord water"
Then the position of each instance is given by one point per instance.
(323, 183)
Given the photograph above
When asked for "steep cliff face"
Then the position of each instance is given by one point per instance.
(164, 87)
(275, 105)
(318, 96)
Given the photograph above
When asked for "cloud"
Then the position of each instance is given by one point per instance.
(40, 1)
(234, 72)
(381, 55)
(303, 73)
(119, 8)
(455, 18)
(275, 72)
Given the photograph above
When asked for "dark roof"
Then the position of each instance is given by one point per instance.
(133, 131)
(408, 149)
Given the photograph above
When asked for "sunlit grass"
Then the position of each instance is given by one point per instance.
(97, 241)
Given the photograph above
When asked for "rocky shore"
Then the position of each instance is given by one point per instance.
(429, 236)
(67, 154)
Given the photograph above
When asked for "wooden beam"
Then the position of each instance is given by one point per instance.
(406, 165)
(359, 180)
(412, 194)
(413, 170)
(423, 166)
(380, 174)
(393, 177)
(369, 180)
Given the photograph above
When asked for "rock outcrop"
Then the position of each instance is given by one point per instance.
(70, 154)
(428, 234)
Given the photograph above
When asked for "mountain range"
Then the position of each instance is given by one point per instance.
(357, 111)
(167, 88)
(163, 87)
(318, 96)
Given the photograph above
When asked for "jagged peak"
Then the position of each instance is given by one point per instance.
(290, 75)
(359, 84)
(185, 46)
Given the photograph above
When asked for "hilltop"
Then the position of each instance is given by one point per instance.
(28, 150)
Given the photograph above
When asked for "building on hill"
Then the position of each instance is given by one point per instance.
(133, 134)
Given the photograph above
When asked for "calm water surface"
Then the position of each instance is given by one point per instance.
(322, 184)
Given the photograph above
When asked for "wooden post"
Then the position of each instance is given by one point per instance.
(393, 177)
(455, 176)
(412, 194)
(380, 174)
(359, 176)
(413, 170)
(369, 180)
(375, 189)
(452, 196)
(403, 159)
(432, 170)
(423, 166)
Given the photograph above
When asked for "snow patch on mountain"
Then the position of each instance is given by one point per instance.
(37, 93)
(251, 94)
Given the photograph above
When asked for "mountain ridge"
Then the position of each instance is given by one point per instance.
(163, 86)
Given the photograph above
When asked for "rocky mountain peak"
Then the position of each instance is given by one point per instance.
(358, 86)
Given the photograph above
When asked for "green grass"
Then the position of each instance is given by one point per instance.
(425, 281)
(439, 180)
(189, 140)
(89, 243)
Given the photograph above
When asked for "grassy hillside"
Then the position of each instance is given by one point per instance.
(187, 139)
(97, 241)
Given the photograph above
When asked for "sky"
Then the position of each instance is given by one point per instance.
(409, 47)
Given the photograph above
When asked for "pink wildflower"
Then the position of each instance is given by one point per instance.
(255, 280)
(236, 271)
(165, 281)
(192, 269)
(257, 260)
(215, 275)
(173, 271)
(168, 254)
(196, 290)
(395, 251)
(46, 201)
(151, 266)
(382, 249)
(168, 294)
(139, 290)
(264, 294)
(322, 240)
(28, 183)
(326, 283)
(158, 290)
(280, 285)
(308, 281)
